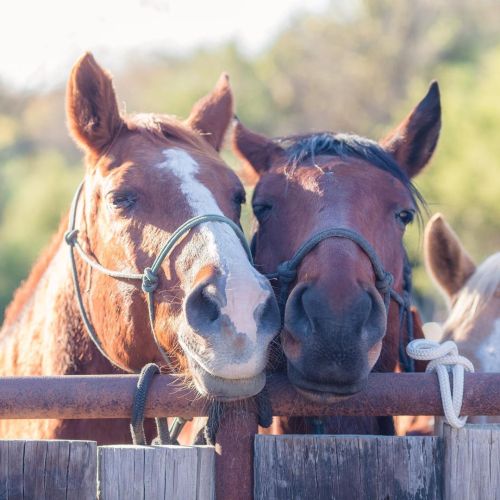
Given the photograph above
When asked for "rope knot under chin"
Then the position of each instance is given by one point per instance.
(384, 285)
(285, 272)
(149, 280)
(70, 237)
(443, 359)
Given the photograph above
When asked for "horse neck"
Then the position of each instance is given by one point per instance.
(46, 336)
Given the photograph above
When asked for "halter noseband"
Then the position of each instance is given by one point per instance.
(149, 276)
(286, 273)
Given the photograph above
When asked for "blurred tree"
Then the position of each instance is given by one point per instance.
(360, 66)
(463, 181)
(38, 190)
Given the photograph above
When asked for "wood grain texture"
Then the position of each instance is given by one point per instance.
(156, 472)
(472, 462)
(52, 470)
(340, 467)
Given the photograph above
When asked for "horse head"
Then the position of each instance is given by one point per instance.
(332, 211)
(146, 174)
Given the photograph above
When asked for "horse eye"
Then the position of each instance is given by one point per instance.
(261, 210)
(406, 216)
(239, 198)
(123, 200)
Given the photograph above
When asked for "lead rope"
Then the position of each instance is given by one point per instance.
(286, 273)
(443, 359)
(140, 396)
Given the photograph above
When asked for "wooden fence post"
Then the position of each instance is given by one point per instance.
(472, 462)
(52, 470)
(129, 472)
(340, 467)
(234, 454)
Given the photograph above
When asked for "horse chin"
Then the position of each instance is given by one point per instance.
(323, 393)
(225, 389)
(321, 397)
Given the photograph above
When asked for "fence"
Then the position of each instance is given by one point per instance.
(461, 464)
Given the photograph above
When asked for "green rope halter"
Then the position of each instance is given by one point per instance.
(149, 277)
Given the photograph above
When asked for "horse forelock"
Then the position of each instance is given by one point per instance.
(168, 128)
(303, 148)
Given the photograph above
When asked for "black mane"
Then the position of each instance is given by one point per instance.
(299, 149)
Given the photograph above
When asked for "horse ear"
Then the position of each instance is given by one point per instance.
(256, 151)
(446, 259)
(91, 107)
(212, 114)
(413, 141)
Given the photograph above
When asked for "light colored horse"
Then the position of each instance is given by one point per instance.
(473, 294)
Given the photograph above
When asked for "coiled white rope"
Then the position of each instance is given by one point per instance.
(443, 359)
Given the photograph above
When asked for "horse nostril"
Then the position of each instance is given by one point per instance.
(203, 306)
(297, 318)
(270, 315)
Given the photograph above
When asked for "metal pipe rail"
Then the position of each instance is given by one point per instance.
(110, 396)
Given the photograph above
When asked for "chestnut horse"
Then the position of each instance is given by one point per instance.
(214, 314)
(473, 294)
(332, 211)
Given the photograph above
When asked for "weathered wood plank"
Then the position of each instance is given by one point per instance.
(56, 461)
(339, 467)
(205, 485)
(472, 462)
(156, 472)
(55, 470)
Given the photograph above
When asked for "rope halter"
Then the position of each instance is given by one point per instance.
(443, 359)
(149, 277)
(286, 274)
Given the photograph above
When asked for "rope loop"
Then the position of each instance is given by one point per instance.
(70, 237)
(443, 359)
(149, 280)
(286, 273)
(384, 284)
(140, 396)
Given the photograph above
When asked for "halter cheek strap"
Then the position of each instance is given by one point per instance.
(286, 273)
(149, 277)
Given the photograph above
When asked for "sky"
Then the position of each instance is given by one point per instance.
(40, 39)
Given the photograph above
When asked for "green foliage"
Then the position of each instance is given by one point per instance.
(37, 190)
(360, 66)
(463, 180)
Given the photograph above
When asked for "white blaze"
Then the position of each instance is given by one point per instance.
(221, 247)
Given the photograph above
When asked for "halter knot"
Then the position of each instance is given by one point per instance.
(70, 236)
(285, 272)
(149, 280)
(384, 285)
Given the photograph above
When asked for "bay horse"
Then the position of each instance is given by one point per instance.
(473, 294)
(146, 175)
(331, 213)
